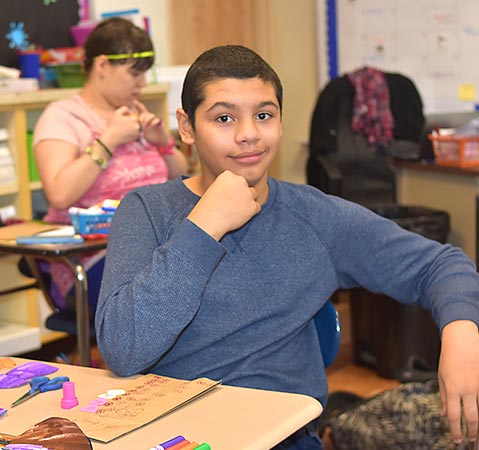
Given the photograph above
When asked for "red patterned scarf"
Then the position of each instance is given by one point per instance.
(371, 109)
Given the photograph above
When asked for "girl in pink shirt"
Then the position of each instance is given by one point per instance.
(103, 142)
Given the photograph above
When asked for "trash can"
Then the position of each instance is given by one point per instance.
(387, 334)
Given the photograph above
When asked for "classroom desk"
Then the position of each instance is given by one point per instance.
(446, 188)
(228, 418)
(70, 254)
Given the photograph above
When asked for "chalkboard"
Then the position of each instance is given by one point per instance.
(434, 42)
(43, 23)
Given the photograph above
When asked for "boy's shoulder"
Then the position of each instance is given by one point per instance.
(308, 201)
(162, 202)
(296, 193)
(170, 187)
(161, 195)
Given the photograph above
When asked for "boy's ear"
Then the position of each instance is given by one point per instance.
(184, 127)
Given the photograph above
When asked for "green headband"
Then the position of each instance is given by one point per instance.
(147, 54)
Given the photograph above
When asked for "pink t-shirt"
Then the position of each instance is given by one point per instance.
(134, 164)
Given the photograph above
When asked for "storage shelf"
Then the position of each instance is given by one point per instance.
(8, 189)
(16, 339)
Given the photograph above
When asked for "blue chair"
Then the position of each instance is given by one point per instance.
(328, 328)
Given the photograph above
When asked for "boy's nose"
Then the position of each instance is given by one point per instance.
(247, 131)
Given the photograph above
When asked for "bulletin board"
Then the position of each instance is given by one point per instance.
(43, 23)
(434, 42)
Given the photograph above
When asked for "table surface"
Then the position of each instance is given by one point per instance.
(93, 245)
(430, 166)
(228, 418)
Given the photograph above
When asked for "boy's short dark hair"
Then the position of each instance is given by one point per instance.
(226, 61)
(118, 36)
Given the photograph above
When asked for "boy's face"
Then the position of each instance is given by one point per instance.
(237, 127)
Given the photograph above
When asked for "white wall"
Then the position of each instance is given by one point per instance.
(156, 10)
(433, 42)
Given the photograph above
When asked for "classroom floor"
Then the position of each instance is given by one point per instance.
(343, 374)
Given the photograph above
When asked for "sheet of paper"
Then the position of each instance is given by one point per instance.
(25, 229)
(67, 230)
(145, 400)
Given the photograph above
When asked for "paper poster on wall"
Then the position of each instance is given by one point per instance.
(433, 42)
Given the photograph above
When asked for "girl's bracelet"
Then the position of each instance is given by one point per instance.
(168, 150)
(103, 163)
(104, 147)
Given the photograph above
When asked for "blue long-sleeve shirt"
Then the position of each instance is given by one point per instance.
(176, 302)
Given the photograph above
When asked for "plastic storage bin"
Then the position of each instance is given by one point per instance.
(85, 224)
(386, 333)
(69, 75)
(450, 150)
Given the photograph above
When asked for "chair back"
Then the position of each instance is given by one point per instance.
(328, 328)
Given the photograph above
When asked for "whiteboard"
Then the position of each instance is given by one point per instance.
(433, 42)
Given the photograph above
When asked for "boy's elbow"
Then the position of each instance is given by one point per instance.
(121, 371)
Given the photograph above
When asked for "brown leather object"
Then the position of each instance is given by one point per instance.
(55, 433)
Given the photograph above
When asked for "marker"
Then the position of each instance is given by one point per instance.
(169, 443)
(203, 446)
(179, 445)
(191, 446)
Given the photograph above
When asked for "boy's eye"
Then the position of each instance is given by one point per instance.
(263, 115)
(224, 118)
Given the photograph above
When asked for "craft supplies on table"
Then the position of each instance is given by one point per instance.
(40, 385)
(180, 442)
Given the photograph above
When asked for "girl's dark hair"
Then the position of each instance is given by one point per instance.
(227, 61)
(117, 36)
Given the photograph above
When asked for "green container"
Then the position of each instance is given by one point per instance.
(69, 75)
(32, 165)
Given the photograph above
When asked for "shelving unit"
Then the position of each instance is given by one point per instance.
(21, 313)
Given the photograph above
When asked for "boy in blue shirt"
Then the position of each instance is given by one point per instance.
(220, 275)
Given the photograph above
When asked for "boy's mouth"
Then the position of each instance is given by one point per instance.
(249, 157)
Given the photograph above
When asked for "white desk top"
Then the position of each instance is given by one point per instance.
(227, 418)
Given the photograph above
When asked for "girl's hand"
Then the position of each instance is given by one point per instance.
(123, 127)
(152, 126)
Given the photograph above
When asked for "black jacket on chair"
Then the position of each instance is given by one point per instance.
(340, 161)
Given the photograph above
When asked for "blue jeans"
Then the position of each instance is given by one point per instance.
(305, 438)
